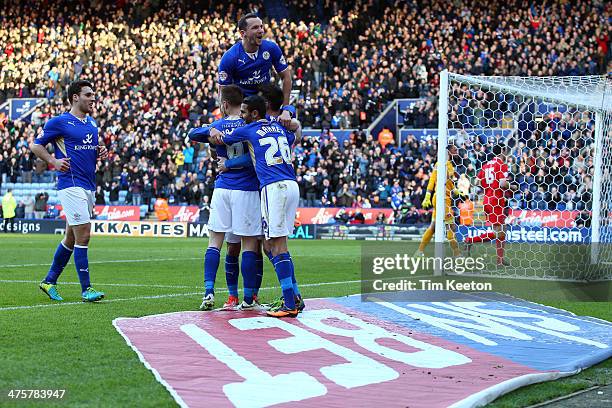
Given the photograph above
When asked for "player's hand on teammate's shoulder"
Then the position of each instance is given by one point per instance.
(285, 119)
(62, 165)
(102, 152)
(221, 165)
(216, 137)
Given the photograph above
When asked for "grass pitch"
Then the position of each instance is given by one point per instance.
(73, 346)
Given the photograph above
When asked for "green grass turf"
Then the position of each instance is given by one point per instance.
(76, 348)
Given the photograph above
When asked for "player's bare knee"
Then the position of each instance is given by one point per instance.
(250, 244)
(82, 233)
(233, 248)
(215, 239)
(279, 245)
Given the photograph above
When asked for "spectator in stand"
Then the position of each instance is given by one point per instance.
(40, 205)
(8, 211)
(29, 207)
(99, 196)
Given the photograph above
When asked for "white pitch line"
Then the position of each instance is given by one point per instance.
(306, 285)
(144, 260)
(126, 285)
(109, 261)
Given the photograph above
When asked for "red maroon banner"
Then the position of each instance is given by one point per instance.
(110, 212)
(542, 218)
(308, 215)
(189, 213)
(118, 212)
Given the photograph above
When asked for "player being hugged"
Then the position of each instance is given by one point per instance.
(235, 210)
(493, 179)
(74, 136)
(270, 148)
(248, 64)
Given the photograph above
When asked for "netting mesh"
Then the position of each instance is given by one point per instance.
(556, 135)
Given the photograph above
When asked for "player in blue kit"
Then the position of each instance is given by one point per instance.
(235, 211)
(74, 136)
(270, 148)
(248, 63)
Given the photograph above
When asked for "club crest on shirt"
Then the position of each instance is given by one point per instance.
(266, 55)
(222, 76)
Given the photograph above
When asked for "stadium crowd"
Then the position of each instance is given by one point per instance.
(155, 75)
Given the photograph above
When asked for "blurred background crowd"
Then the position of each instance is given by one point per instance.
(154, 64)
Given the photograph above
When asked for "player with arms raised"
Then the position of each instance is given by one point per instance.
(493, 178)
(270, 147)
(248, 64)
(74, 135)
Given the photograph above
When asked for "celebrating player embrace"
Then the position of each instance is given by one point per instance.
(270, 146)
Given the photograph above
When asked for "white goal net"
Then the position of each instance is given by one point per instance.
(532, 161)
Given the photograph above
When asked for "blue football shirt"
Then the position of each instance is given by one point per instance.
(78, 141)
(242, 178)
(250, 71)
(270, 148)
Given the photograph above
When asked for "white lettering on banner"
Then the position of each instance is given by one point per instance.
(303, 340)
(486, 320)
(367, 335)
(113, 213)
(296, 386)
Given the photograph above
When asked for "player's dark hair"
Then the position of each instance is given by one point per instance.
(232, 94)
(75, 88)
(243, 23)
(273, 95)
(256, 103)
(498, 149)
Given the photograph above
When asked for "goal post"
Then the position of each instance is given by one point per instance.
(556, 138)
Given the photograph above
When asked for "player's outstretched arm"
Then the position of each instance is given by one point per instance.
(238, 135)
(298, 132)
(199, 134)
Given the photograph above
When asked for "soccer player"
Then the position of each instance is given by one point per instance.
(273, 95)
(270, 147)
(430, 201)
(74, 135)
(493, 178)
(248, 63)
(235, 211)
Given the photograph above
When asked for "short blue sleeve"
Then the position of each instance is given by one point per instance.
(200, 134)
(290, 137)
(278, 59)
(51, 131)
(226, 68)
